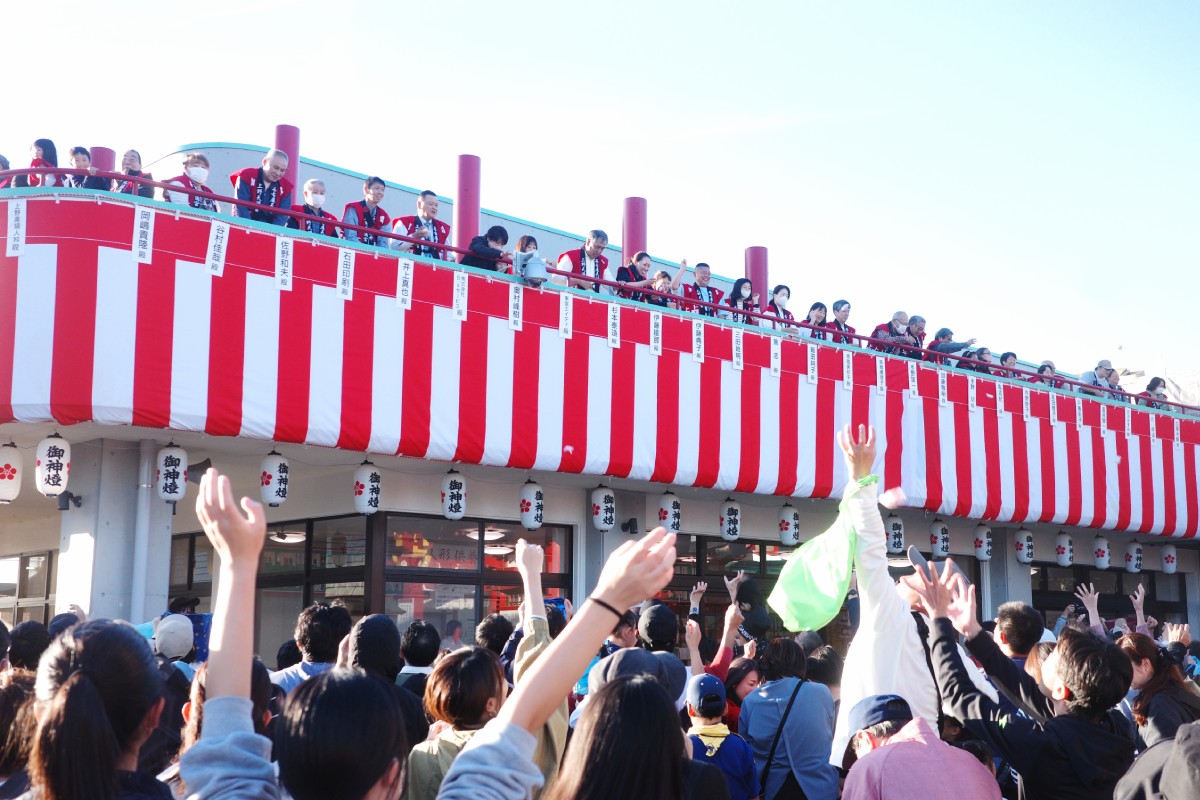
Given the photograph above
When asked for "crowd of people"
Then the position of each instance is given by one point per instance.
(618, 698)
(424, 234)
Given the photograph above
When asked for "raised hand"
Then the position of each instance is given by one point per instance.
(691, 634)
(751, 650)
(1090, 598)
(859, 451)
(529, 558)
(698, 593)
(731, 584)
(637, 569)
(238, 538)
(1178, 632)
(1138, 599)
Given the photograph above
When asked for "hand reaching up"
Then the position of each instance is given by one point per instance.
(859, 451)
(529, 558)
(698, 593)
(731, 584)
(1178, 633)
(238, 538)
(637, 569)
(1090, 598)
(946, 594)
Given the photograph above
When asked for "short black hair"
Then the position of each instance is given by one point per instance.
(62, 622)
(320, 628)
(825, 666)
(420, 644)
(1021, 625)
(1006, 355)
(29, 639)
(81, 151)
(782, 658)
(374, 179)
(556, 620)
(288, 655)
(497, 233)
(1097, 672)
(493, 631)
(428, 193)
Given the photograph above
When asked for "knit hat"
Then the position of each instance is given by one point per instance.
(658, 626)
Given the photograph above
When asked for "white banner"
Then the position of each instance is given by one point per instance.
(18, 223)
(972, 384)
(1025, 403)
(880, 376)
(460, 296)
(284, 250)
(1053, 408)
(1078, 413)
(656, 333)
(218, 243)
(1103, 419)
(912, 380)
(614, 325)
(564, 315)
(776, 356)
(1178, 441)
(812, 362)
(697, 341)
(1128, 421)
(143, 235)
(404, 283)
(942, 399)
(847, 369)
(738, 354)
(516, 306)
(345, 286)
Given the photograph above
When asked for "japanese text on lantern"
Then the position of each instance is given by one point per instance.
(896, 533)
(454, 497)
(170, 475)
(404, 283)
(539, 506)
(53, 467)
(373, 486)
(281, 484)
(732, 521)
(676, 513)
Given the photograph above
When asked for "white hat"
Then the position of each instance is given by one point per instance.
(174, 637)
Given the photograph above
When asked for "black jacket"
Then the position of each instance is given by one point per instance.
(1170, 708)
(1064, 758)
(482, 256)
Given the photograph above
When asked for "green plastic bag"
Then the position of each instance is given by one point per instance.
(814, 583)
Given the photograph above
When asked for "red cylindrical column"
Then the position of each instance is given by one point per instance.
(756, 271)
(287, 139)
(633, 228)
(103, 159)
(466, 202)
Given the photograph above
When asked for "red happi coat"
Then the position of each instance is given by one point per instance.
(249, 176)
(576, 259)
(327, 228)
(36, 180)
(195, 201)
(692, 292)
(409, 224)
(839, 338)
(382, 221)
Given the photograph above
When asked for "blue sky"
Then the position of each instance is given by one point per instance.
(1023, 172)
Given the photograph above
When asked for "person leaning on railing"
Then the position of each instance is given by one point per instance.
(265, 186)
(887, 335)
(742, 298)
(367, 213)
(1155, 390)
(780, 296)
(131, 165)
(841, 313)
(488, 250)
(424, 225)
(635, 275)
(81, 159)
(195, 176)
(314, 202)
(943, 342)
(699, 290)
(1097, 379)
(44, 155)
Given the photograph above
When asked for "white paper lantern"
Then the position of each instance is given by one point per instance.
(533, 506)
(368, 487)
(604, 508)
(1170, 559)
(670, 512)
(895, 535)
(274, 480)
(12, 470)
(1101, 552)
(939, 539)
(1133, 557)
(1064, 550)
(53, 465)
(730, 521)
(170, 473)
(1024, 546)
(454, 495)
(983, 542)
(789, 525)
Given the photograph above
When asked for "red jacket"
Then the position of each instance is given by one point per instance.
(409, 224)
(326, 228)
(692, 292)
(193, 200)
(838, 338)
(249, 176)
(576, 259)
(382, 220)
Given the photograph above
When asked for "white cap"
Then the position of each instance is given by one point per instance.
(174, 637)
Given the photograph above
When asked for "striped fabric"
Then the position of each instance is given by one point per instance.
(86, 334)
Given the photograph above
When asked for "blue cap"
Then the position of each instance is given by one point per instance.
(876, 709)
(706, 689)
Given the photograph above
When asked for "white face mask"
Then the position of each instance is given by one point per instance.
(745, 291)
(316, 200)
(781, 300)
(198, 174)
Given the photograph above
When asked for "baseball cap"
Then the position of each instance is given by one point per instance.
(174, 638)
(1104, 363)
(706, 694)
(658, 625)
(181, 605)
(876, 709)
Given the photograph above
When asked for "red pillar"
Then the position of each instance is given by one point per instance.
(633, 228)
(287, 140)
(103, 159)
(466, 202)
(756, 271)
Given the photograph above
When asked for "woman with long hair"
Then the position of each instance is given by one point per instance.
(1165, 698)
(816, 318)
(465, 691)
(801, 712)
(742, 299)
(43, 155)
(99, 698)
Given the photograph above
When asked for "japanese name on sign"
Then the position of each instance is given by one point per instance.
(345, 286)
(942, 394)
(143, 235)
(614, 325)
(811, 350)
(564, 315)
(912, 379)
(972, 385)
(656, 333)
(1103, 418)
(454, 497)
(170, 476)
(1053, 409)
(17, 223)
(218, 239)
(776, 356)
(697, 341)
(1079, 413)
(460, 296)
(847, 370)
(880, 376)
(283, 263)
(404, 283)
(1025, 403)
(516, 300)
(738, 362)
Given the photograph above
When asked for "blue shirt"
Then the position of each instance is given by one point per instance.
(735, 758)
(807, 736)
(293, 676)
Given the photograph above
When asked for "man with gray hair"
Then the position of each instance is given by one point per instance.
(314, 202)
(589, 263)
(887, 336)
(265, 186)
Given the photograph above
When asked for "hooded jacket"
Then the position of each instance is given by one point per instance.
(1170, 708)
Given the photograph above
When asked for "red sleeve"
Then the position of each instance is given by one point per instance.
(720, 665)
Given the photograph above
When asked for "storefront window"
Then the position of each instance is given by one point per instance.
(180, 560)
(417, 542)
(202, 561)
(1060, 579)
(777, 556)
(1104, 581)
(498, 599)
(437, 603)
(499, 553)
(275, 618)
(9, 569)
(728, 557)
(351, 594)
(27, 588)
(284, 549)
(339, 543)
(685, 554)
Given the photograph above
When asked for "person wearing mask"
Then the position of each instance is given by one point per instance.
(314, 206)
(699, 290)
(131, 165)
(817, 314)
(841, 313)
(944, 344)
(194, 177)
(81, 159)
(488, 250)
(888, 336)
(43, 155)
(367, 213)
(588, 262)
(265, 186)
(1165, 700)
(635, 275)
(426, 226)
(788, 722)
(1156, 392)
(465, 690)
(777, 306)
(1096, 380)
(742, 298)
